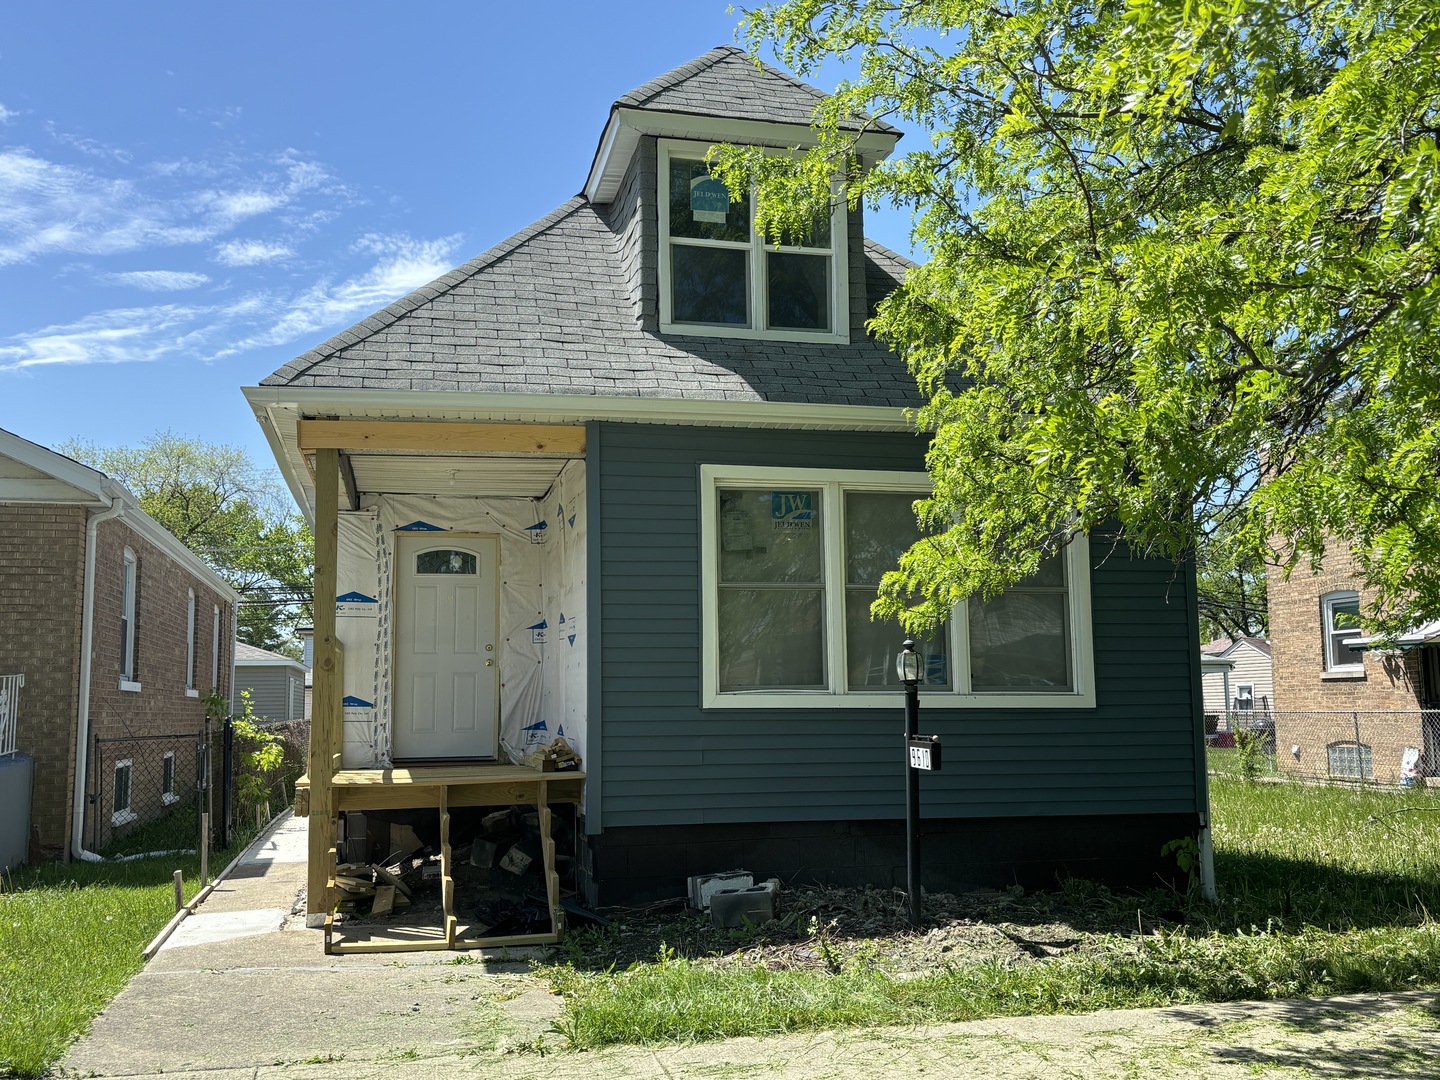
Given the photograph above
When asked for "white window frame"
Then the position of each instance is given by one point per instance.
(1328, 603)
(833, 483)
(167, 779)
(1235, 697)
(123, 815)
(129, 588)
(839, 268)
(215, 651)
(190, 689)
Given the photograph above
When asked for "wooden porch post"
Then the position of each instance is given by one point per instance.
(326, 715)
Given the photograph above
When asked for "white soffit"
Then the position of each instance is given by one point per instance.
(498, 476)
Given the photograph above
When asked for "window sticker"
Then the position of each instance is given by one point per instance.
(792, 509)
(709, 199)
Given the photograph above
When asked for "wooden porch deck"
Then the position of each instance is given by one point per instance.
(442, 787)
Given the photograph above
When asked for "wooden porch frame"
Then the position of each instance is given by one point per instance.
(421, 436)
(328, 789)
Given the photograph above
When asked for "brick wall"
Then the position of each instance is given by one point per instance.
(1386, 687)
(42, 566)
(163, 705)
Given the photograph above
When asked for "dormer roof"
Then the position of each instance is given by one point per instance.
(722, 96)
(725, 82)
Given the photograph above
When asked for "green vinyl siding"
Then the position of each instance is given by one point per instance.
(668, 761)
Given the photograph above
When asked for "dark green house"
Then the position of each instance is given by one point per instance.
(631, 478)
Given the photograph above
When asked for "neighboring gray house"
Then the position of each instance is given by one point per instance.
(276, 683)
(632, 476)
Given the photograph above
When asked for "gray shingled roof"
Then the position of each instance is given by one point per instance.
(726, 82)
(254, 652)
(551, 311)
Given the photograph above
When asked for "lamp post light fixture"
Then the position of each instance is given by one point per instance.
(907, 666)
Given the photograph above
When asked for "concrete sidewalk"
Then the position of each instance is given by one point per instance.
(243, 990)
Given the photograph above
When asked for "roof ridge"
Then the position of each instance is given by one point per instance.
(417, 298)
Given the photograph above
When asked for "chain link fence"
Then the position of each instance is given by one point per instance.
(146, 795)
(1396, 749)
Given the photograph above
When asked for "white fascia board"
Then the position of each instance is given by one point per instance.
(86, 480)
(277, 662)
(48, 492)
(279, 408)
(480, 406)
(626, 126)
(1215, 663)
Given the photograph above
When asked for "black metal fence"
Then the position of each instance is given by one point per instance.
(248, 794)
(1397, 748)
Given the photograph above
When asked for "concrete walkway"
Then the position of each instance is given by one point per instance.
(242, 991)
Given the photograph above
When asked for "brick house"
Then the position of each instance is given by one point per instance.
(1346, 710)
(120, 633)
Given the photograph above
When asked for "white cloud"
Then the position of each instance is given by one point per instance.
(118, 336)
(250, 252)
(48, 207)
(6, 115)
(214, 331)
(157, 280)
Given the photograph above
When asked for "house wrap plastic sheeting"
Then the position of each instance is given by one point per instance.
(542, 611)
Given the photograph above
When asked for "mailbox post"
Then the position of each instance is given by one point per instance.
(907, 666)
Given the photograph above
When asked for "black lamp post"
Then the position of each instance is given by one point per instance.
(907, 666)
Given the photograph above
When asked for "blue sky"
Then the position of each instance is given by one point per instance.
(193, 193)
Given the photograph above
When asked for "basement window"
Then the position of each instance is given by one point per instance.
(1350, 761)
(121, 813)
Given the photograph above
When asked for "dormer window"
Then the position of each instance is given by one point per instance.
(719, 277)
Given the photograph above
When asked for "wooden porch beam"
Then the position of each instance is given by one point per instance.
(347, 478)
(326, 716)
(419, 436)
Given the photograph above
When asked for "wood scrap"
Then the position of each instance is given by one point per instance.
(384, 900)
(390, 877)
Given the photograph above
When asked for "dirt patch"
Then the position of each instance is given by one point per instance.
(833, 928)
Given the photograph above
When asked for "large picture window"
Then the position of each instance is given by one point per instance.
(719, 276)
(792, 560)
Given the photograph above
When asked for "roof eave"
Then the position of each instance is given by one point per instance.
(626, 126)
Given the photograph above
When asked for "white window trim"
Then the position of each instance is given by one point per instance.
(190, 689)
(130, 687)
(129, 586)
(1235, 697)
(839, 271)
(1327, 622)
(833, 482)
(124, 815)
(169, 798)
(215, 651)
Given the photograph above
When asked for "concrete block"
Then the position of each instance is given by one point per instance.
(736, 907)
(701, 887)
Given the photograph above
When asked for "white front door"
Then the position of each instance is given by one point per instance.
(446, 647)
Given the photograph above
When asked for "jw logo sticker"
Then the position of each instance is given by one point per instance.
(536, 532)
(539, 633)
(356, 605)
(792, 509)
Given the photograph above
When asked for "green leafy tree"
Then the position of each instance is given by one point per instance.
(1181, 275)
(235, 516)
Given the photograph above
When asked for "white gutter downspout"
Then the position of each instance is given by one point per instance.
(87, 631)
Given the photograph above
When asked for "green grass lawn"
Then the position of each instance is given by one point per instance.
(70, 938)
(1323, 891)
